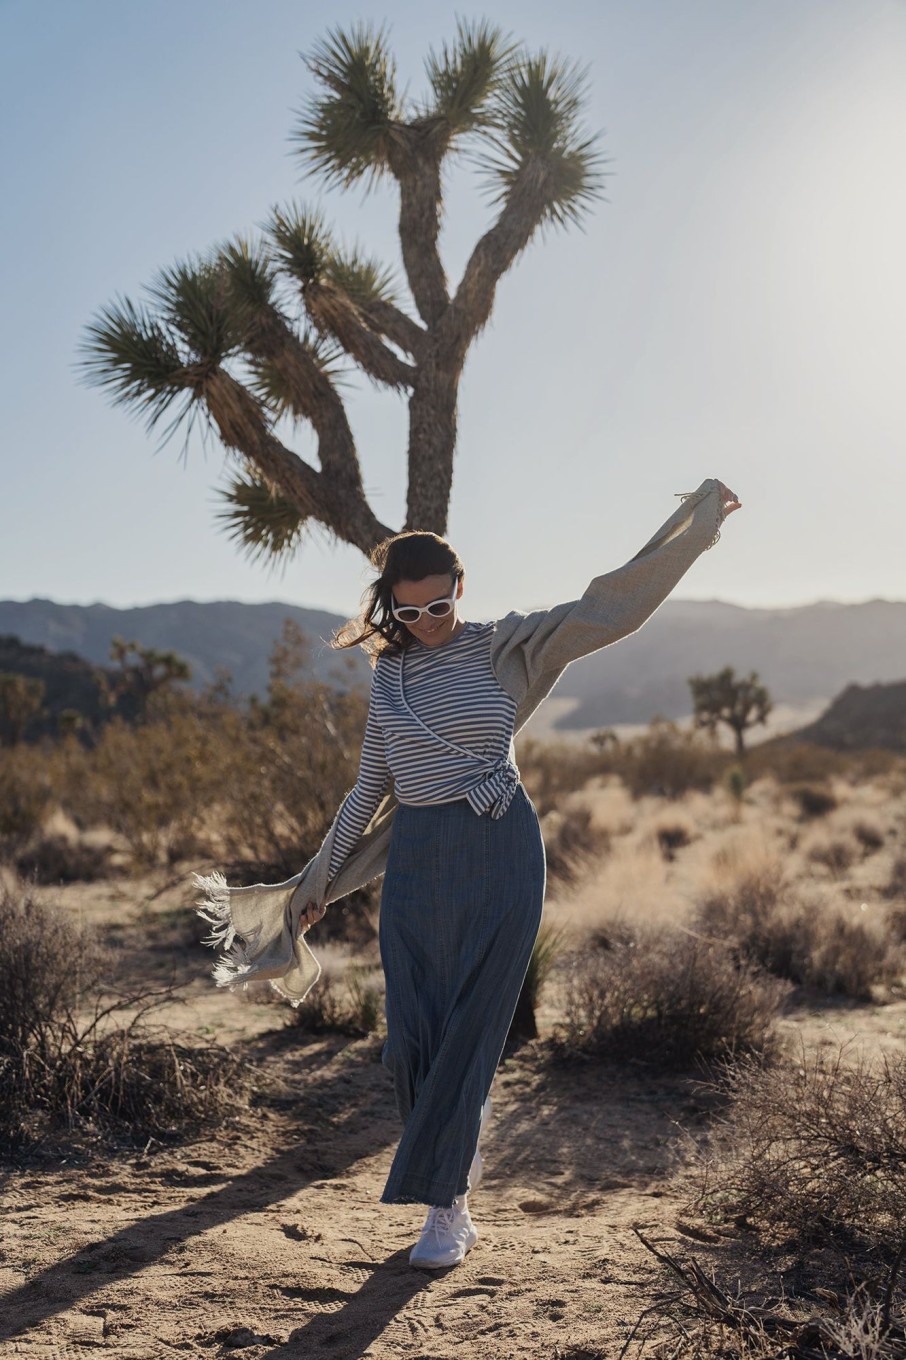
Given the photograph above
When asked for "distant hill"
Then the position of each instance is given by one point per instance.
(863, 716)
(805, 655)
(210, 636)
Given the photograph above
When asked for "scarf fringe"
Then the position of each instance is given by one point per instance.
(214, 907)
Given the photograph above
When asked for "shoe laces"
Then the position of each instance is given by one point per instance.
(441, 1219)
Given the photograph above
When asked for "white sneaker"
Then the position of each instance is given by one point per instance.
(476, 1170)
(446, 1237)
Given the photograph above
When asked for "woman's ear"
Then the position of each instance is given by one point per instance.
(459, 587)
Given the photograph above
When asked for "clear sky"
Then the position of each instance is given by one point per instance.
(736, 308)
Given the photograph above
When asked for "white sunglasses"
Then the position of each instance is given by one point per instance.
(438, 609)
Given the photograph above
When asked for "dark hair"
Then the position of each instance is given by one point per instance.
(410, 556)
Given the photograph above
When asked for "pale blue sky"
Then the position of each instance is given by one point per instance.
(737, 308)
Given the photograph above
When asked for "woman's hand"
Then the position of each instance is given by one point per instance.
(310, 914)
(728, 500)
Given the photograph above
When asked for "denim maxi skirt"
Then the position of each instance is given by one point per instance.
(460, 910)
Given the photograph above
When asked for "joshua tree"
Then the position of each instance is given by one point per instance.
(221, 335)
(722, 698)
(21, 699)
(143, 673)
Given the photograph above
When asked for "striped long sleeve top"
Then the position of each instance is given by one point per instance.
(440, 726)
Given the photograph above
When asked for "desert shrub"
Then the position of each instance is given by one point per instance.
(545, 952)
(345, 1000)
(57, 859)
(737, 781)
(815, 1148)
(672, 836)
(668, 999)
(668, 761)
(153, 783)
(709, 1319)
(571, 843)
(869, 836)
(896, 883)
(26, 796)
(795, 762)
(551, 770)
(70, 1059)
(813, 800)
(835, 853)
(823, 948)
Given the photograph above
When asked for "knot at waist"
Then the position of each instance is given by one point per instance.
(494, 792)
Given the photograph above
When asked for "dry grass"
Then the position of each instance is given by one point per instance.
(72, 1063)
(814, 1147)
(839, 949)
(667, 999)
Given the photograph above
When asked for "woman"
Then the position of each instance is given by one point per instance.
(465, 873)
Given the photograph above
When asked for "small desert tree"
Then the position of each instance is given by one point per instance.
(21, 699)
(722, 698)
(143, 673)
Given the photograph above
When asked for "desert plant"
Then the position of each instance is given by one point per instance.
(672, 836)
(545, 951)
(219, 336)
(737, 703)
(76, 1056)
(820, 947)
(58, 859)
(667, 761)
(815, 1147)
(347, 999)
(571, 843)
(896, 883)
(21, 700)
(869, 835)
(736, 781)
(667, 999)
(26, 796)
(835, 853)
(814, 800)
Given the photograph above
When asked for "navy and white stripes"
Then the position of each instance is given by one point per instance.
(440, 726)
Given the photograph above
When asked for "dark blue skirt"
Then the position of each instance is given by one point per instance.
(460, 910)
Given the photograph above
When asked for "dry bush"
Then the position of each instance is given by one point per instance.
(672, 836)
(795, 762)
(70, 1060)
(828, 949)
(835, 853)
(551, 770)
(152, 784)
(896, 883)
(348, 998)
(666, 998)
(814, 1149)
(706, 1320)
(26, 795)
(668, 761)
(869, 835)
(814, 800)
(571, 843)
(58, 859)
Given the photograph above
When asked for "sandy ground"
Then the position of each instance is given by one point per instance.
(266, 1238)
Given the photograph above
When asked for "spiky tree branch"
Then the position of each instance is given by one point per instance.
(220, 337)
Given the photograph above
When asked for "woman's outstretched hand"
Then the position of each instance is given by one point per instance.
(310, 914)
(728, 500)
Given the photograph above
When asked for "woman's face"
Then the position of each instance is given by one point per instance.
(432, 632)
